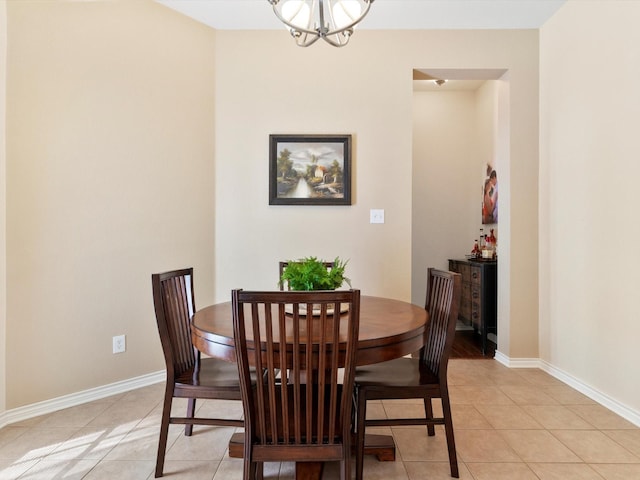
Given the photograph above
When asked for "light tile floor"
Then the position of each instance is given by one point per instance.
(511, 424)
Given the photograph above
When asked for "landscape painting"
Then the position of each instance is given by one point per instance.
(310, 169)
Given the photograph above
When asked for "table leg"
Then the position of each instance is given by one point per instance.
(309, 470)
(382, 446)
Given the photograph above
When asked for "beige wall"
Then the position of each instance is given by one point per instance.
(110, 176)
(589, 228)
(110, 140)
(446, 179)
(264, 84)
(113, 172)
(3, 203)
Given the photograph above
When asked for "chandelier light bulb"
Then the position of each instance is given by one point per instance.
(346, 12)
(296, 12)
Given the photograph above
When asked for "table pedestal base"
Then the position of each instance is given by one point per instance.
(382, 446)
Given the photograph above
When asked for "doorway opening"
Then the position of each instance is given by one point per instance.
(459, 129)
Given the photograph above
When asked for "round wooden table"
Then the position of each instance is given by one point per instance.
(388, 329)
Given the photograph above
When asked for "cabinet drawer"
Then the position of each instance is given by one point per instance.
(465, 303)
(476, 319)
(476, 308)
(475, 275)
(475, 293)
(463, 270)
(466, 294)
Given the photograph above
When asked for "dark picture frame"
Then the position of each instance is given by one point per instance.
(309, 169)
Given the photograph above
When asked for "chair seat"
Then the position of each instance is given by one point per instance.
(401, 373)
(216, 374)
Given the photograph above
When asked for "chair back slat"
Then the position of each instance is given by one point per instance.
(174, 306)
(299, 340)
(442, 303)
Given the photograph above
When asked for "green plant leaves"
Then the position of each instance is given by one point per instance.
(309, 273)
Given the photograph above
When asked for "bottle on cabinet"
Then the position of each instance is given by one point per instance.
(489, 250)
(476, 250)
(492, 238)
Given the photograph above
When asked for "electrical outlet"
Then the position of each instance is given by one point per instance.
(119, 344)
(376, 216)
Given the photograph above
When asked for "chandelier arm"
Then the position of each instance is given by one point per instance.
(338, 43)
(304, 43)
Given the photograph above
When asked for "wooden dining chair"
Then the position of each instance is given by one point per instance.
(306, 415)
(188, 376)
(422, 377)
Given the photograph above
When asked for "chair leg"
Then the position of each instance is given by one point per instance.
(428, 412)
(164, 432)
(345, 464)
(191, 410)
(448, 428)
(251, 470)
(361, 415)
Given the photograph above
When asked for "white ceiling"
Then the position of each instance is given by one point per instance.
(384, 14)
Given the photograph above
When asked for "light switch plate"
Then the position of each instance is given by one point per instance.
(376, 215)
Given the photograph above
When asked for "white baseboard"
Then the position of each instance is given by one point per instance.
(517, 362)
(66, 401)
(71, 400)
(625, 412)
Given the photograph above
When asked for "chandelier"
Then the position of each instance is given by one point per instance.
(331, 20)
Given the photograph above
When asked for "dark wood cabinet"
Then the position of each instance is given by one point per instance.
(479, 299)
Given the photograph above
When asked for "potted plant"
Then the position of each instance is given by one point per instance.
(309, 273)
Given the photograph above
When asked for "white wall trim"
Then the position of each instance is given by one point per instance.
(53, 405)
(603, 399)
(73, 399)
(517, 362)
(594, 394)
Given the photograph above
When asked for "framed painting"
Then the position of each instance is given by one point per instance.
(309, 169)
(490, 196)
